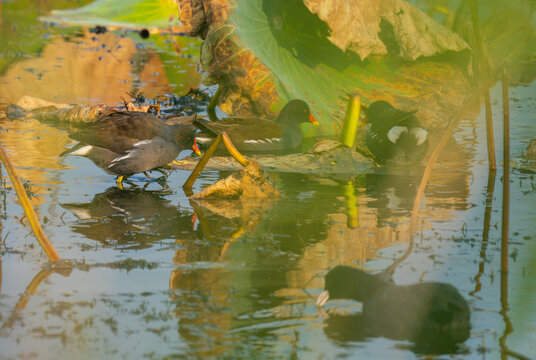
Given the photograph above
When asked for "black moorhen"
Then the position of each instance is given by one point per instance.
(428, 311)
(126, 143)
(261, 135)
(395, 134)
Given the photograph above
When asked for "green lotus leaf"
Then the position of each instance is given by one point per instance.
(121, 13)
(294, 45)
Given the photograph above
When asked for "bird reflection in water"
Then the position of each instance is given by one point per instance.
(132, 218)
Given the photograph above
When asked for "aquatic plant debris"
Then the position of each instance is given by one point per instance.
(250, 182)
(327, 158)
(265, 53)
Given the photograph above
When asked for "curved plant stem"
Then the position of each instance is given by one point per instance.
(210, 151)
(233, 150)
(424, 180)
(429, 166)
(211, 107)
(28, 210)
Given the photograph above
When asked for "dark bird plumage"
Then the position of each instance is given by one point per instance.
(252, 134)
(126, 143)
(427, 311)
(395, 134)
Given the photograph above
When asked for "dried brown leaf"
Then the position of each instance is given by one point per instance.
(355, 25)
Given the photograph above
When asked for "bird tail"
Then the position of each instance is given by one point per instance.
(79, 149)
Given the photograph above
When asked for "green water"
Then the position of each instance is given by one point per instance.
(161, 283)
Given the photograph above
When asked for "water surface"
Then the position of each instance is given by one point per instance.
(229, 283)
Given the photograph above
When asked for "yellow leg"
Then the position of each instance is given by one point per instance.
(147, 175)
(119, 182)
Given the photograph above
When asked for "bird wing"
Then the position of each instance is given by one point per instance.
(119, 131)
(399, 116)
(145, 155)
(243, 128)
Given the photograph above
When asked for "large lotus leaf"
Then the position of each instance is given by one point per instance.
(121, 13)
(355, 25)
(279, 50)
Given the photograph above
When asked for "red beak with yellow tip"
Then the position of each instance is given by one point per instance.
(196, 149)
(313, 120)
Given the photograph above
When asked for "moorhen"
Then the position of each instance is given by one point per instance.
(429, 311)
(125, 143)
(395, 134)
(261, 135)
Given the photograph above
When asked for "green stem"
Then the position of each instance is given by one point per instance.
(351, 120)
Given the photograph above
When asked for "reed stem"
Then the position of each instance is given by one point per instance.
(201, 164)
(483, 72)
(27, 207)
(506, 174)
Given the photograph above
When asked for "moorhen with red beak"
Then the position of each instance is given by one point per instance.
(124, 143)
(261, 135)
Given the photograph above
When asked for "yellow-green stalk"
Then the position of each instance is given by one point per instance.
(351, 120)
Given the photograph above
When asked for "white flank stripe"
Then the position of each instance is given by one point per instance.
(395, 133)
(262, 141)
(82, 214)
(254, 141)
(204, 140)
(420, 134)
(83, 151)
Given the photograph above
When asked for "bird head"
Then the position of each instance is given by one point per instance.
(299, 110)
(344, 282)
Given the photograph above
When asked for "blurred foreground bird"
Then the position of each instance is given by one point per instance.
(428, 311)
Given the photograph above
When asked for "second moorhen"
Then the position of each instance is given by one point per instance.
(395, 134)
(421, 312)
(261, 135)
(125, 143)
